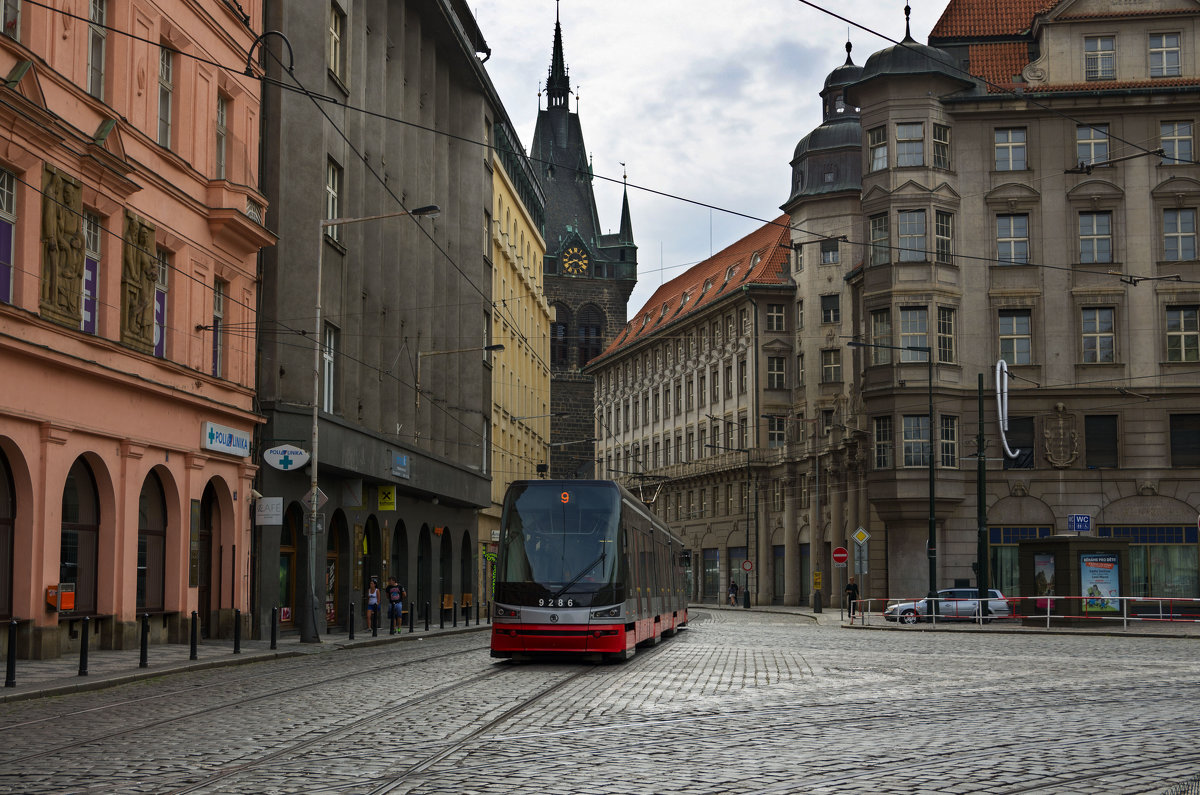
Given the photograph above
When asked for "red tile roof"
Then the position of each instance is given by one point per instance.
(977, 18)
(1116, 85)
(998, 63)
(711, 280)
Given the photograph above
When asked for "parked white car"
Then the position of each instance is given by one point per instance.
(953, 603)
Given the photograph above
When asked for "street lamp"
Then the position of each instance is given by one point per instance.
(932, 543)
(751, 543)
(308, 624)
(422, 354)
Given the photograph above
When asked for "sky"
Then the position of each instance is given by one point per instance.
(700, 99)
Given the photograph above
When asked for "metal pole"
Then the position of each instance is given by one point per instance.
(10, 668)
(275, 627)
(751, 552)
(144, 662)
(83, 646)
(350, 622)
(308, 628)
(982, 574)
(195, 629)
(237, 630)
(427, 616)
(412, 616)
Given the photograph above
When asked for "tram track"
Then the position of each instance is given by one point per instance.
(75, 744)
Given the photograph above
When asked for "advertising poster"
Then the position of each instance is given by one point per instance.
(1100, 582)
(1043, 578)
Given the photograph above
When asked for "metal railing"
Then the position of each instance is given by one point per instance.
(1124, 609)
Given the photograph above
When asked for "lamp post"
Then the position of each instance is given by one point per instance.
(422, 354)
(751, 542)
(932, 543)
(308, 623)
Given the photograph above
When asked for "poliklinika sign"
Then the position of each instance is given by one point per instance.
(223, 439)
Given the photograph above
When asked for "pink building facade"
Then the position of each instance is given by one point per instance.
(130, 223)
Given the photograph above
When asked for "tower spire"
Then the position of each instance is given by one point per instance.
(558, 85)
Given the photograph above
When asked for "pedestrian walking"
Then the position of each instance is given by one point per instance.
(373, 596)
(396, 594)
(733, 592)
(851, 595)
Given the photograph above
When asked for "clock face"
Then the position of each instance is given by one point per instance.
(575, 260)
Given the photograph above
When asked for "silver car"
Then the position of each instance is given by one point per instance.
(953, 603)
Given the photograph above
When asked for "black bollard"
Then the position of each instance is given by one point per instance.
(442, 617)
(373, 618)
(816, 601)
(195, 634)
(10, 671)
(467, 615)
(412, 616)
(427, 616)
(83, 646)
(477, 614)
(489, 614)
(350, 622)
(144, 662)
(454, 615)
(237, 631)
(275, 626)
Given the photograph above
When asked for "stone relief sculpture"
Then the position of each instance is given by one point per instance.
(139, 272)
(1061, 438)
(62, 247)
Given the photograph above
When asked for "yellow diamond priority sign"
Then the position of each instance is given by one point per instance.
(861, 536)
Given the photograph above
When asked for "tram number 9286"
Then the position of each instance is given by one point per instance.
(556, 603)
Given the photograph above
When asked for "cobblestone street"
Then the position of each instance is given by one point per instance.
(744, 701)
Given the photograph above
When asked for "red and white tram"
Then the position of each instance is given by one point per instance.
(584, 568)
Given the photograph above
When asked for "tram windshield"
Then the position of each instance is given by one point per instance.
(559, 542)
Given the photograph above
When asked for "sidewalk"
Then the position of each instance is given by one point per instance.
(106, 668)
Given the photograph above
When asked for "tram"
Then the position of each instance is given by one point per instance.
(584, 568)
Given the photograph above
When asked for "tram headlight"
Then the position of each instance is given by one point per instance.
(611, 612)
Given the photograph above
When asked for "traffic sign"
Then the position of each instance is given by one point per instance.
(861, 536)
(747, 565)
(1079, 523)
(322, 498)
(840, 556)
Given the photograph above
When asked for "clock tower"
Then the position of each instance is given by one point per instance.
(588, 275)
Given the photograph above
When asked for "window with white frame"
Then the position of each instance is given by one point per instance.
(831, 308)
(1183, 333)
(97, 39)
(910, 145)
(910, 227)
(831, 366)
(914, 333)
(799, 369)
(916, 440)
(881, 334)
(1012, 238)
(92, 230)
(166, 94)
(941, 146)
(800, 315)
(943, 235)
(1164, 55)
(8, 222)
(1099, 58)
(945, 334)
(333, 196)
(776, 431)
(161, 285)
(948, 442)
(220, 291)
(829, 252)
(776, 372)
(337, 32)
(1099, 339)
(1091, 143)
(1095, 237)
(329, 353)
(775, 317)
(12, 19)
(1179, 234)
(222, 131)
(877, 143)
(880, 253)
(1010, 149)
(1175, 138)
(883, 441)
(1016, 336)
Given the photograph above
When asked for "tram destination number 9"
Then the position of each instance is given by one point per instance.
(556, 603)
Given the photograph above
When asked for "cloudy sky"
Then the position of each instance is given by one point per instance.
(701, 99)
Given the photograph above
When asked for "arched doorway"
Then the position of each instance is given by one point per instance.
(151, 551)
(466, 576)
(424, 563)
(399, 568)
(293, 522)
(446, 569)
(8, 509)
(77, 560)
(373, 553)
(337, 571)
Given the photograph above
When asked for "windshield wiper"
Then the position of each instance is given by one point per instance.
(579, 576)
